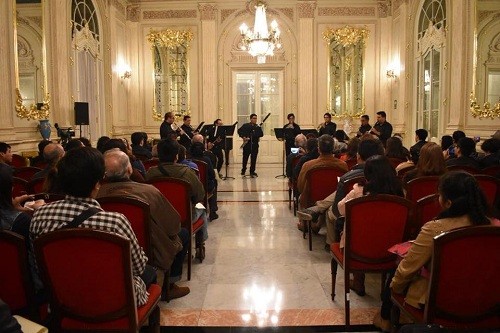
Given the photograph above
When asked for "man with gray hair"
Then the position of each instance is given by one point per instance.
(300, 142)
(168, 240)
(52, 153)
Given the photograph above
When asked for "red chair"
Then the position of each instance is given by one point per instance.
(351, 163)
(150, 163)
(19, 187)
(35, 185)
(16, 288)
(491, 189)
(89, 277)
(420, 187)
(19, 161)
(203, 173)
(395, 161)
(426, 209)
(404, 170)
(492, 171)
(177, 191)
(464, 292)
(469, 169)
(320, 183)
(373, 224)
(26, 173)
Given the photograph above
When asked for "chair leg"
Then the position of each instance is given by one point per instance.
(382, 283)
(333, 270)
(190, 256)
(289, 198)
(347, 298)
(395, 314)
(309, 231)
(154, 320)
(166, 284)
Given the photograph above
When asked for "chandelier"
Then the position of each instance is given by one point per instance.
(262, 41)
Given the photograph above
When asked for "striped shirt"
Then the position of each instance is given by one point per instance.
(55, 215)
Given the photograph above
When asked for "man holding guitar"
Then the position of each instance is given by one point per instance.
(251, 134)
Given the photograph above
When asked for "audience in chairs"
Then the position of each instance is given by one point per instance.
(138, 145)
(80, 173)
(464, 149)
(52, 153)
(6, 157)
(38, 160)
(430, 163)
(197, 152)
(463, 204)
(491, 148)
(168, 241)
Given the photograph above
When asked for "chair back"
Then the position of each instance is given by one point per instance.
(88, 274)
(404, 170)
(15, 286)
(374, 223)
(19, 186)
(19, 161)
(491, 189)
(137, 212)
(420, 187)
(35, 185)
(493, 170)
(426, 209)
(26, 173)
(177, 192)
(150, 163)
(466, 168)
(321, 182)
(464, 291)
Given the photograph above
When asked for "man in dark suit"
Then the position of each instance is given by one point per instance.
(251, 134)
(327, 127)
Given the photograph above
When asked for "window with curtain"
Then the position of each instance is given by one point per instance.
(431, 41)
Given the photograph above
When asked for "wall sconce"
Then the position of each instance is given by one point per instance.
(126, 75)
(390, 74)
(123, 70)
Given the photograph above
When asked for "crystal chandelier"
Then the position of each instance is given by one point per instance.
(260, 42)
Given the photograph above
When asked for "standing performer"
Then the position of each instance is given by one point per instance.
(327, 127)
(216, 138)
(251, 134)
(291, 131)
(185, 139)
(166, 129)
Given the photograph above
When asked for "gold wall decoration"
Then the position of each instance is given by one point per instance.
(170, 38)
(346, 36)
(32, 112)
(486, 111)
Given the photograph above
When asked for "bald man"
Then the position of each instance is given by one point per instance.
(52, 153)
(168, 240)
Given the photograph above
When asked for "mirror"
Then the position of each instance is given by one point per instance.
(170, 72)
(32, 101)
(345, 71)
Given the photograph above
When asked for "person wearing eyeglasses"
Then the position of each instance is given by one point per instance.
(327, 127)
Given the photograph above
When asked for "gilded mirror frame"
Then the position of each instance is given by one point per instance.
(37, 110)
(169, 50)
(346, 81)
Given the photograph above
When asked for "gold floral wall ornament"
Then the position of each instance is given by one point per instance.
(346, 35)
(170, 38)
(34, 111)
(486, 111)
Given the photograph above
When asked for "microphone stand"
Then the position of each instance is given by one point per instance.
(284, 158)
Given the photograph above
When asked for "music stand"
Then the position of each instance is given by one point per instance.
(280, 135)
(309, 131)
(205, 129)
(228, 131)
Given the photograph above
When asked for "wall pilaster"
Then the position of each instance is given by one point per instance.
(208, 34)
(7, 66)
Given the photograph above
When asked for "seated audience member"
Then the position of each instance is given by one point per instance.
(101, 142)
(300, 142)
(86, 142)
(6, 157)
(37, 160)
(380, 178)
(395, 149)
(420, 136)
(447, 146)
(138, 147)
(136, 163)
(341, 140)
(367, 147)
(52, 153)
(463, 204)
(80, 172)
(465, 148)
(168, 241)
(350, 154)
(197, 152)
(311, 153)
(8, 323)
(326, 158)
(491, 148)
(168, 151)
(183, 160)
(13, 215)
(72, 144)
(457, 135)
(430, 163)
(199, 138)
(147, 144)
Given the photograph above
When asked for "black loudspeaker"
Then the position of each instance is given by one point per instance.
(81, 113)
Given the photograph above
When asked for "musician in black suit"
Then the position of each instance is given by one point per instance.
(216, 138)
(166, 130)
(251, 134)
(185, 139)
(382, 128)
(291, 130)
(327, 127)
